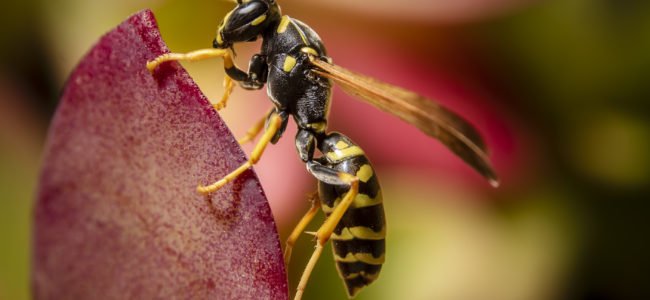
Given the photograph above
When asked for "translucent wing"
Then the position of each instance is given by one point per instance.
(433, 119)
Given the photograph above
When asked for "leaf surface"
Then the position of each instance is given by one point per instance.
(117, 214)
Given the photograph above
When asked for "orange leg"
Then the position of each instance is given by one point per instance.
(228, 86)
(274, 125)
(300, 227)
(197, 55)
(254, 130)
(325, 231)
(190, 56)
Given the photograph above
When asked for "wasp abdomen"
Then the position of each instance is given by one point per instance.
(359, 259)
(358, 241)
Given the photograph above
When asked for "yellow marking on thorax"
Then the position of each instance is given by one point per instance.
(309, 50)
(365, 173)
(283, 24)
(300, 32)
(362, 257)
(341, 154)
(258, 20)
(289, 63)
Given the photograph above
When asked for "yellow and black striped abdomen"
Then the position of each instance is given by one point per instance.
(358, 241)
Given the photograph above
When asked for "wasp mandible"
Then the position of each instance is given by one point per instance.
(298, 74)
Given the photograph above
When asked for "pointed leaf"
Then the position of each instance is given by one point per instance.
(118, 215)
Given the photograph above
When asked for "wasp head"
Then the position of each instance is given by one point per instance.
(248, 20)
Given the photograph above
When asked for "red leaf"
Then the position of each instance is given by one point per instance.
(118, 216)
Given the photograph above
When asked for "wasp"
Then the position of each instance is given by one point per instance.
(298, 74)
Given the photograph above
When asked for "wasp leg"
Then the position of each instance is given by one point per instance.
(255, 129)
(228, 86)
(255, 78)
(295, 234)
(201, 54)
(308, 269)
(275, 122)
(190, 56)
(325, 231)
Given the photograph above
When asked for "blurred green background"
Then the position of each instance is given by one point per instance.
(559, 88)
